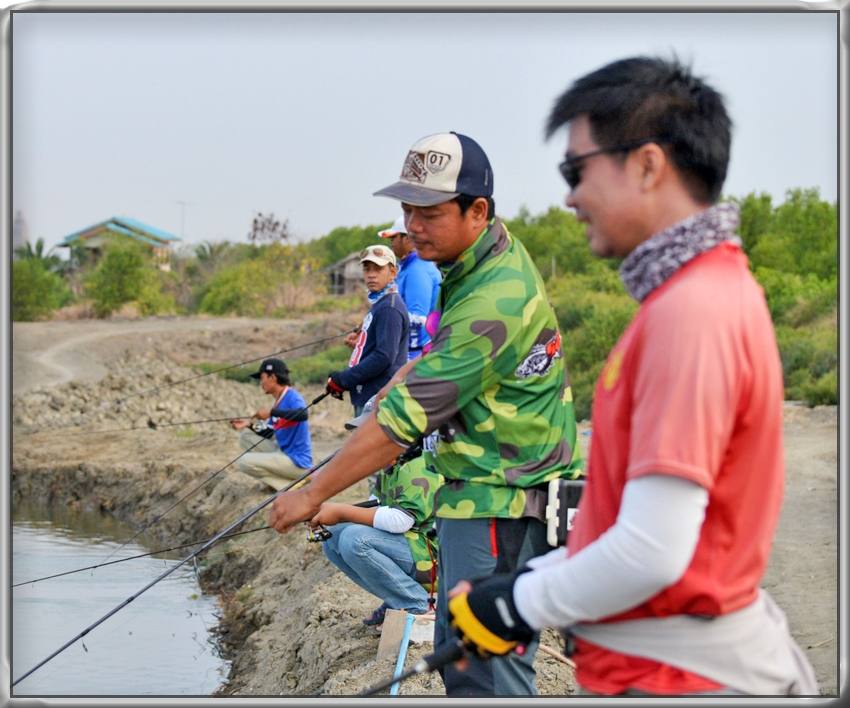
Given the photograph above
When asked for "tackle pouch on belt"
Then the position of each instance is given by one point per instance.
(561, 507)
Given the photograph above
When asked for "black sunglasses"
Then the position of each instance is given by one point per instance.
(572, 166)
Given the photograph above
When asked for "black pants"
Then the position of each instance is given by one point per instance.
(471, 548)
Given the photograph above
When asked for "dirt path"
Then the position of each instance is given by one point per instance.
(334, 655)
(53, 353)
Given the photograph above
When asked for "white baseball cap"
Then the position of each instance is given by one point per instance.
(357, 421)
(378, 254)
(440, 167)
(398, 227)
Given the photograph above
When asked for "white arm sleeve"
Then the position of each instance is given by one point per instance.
(388, 518)
(648, 548)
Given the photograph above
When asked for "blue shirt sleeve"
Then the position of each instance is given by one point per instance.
(418, 286)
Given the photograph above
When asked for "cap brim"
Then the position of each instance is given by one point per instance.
(390, 234)
(417, 196)
(255, 376)
(376, 262)
(355, 423)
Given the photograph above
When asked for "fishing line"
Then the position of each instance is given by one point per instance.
(105, 405)
(140, 555)
(153, 425)
(221, 534)
(365, 504)
(232, 366)
(138, 533)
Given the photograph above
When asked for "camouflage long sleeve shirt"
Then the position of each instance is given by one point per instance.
(495, 386)
(412, 486)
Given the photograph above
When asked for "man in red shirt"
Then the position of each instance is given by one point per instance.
(659, 590)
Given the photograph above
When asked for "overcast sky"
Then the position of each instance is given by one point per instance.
(306, 115)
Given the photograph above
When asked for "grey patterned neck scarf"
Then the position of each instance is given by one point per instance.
(661, 255)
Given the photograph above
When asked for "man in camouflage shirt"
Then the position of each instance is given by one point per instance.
(494, 385)
(387, 549)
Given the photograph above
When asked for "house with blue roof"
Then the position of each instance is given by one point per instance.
(97, 236)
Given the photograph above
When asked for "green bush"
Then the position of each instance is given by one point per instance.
(823, 391)
(809, 358)
(243, 289)
(796, 298)
(278, 281)
(315, 369)
(592, 310)
(36, 292)
(126, 274)
(242, 374)
(311, 369)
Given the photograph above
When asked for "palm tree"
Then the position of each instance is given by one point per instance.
(210, 254)
(49, 260)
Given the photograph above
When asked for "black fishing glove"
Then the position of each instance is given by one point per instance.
(486, 618)
(334, 385)
(297, 415)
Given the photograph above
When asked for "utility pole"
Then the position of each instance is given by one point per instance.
(183, 206)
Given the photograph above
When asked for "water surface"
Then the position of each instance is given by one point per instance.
(159, 644)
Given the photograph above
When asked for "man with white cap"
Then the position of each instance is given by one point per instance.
(381, 344)
(494, 384)
(418, 284)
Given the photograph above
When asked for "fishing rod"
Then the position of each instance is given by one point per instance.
(221, 534)
(450, 653)
(366, 504)
(198, 487)
(153, 425)
(232, 366)
(140, 555)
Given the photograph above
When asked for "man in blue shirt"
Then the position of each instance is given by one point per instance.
(279, 440)
(418, 284)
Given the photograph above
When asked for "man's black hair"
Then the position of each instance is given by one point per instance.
(645, 97)
(464, 201)
(283, 380)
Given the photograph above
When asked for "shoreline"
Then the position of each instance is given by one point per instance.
(336, 655)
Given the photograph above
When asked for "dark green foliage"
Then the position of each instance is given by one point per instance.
(793, 251)
(308, 369)
(810, 360)
(799, 237)
(36, 292)
(342, 241)
(315, 369)
(242, 374)
(794, 298)
(593, 310)
(756, 216)
(556, 242)
(48, 261)
(276, 280)
(126, 274)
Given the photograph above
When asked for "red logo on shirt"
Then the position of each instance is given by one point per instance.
(540, 359)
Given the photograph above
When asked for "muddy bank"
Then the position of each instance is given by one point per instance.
(291, 623)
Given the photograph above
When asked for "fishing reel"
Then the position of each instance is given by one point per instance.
(318, 534)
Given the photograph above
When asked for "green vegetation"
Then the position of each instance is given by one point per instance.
(308, 369)
(793, 251)
(125, 274)
(315, 369)
(36, 292)
(274, 280)
(792, 247)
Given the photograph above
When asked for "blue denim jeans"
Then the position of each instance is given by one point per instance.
(379, 562)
